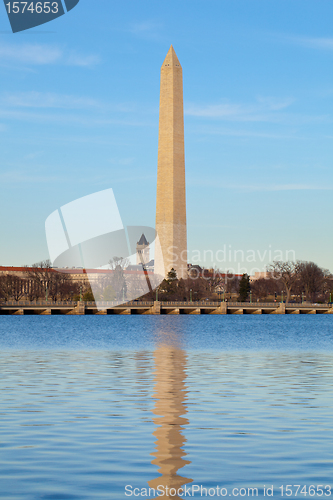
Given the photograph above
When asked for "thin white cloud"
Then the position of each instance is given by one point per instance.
(47, 100)
(263, 109)
(87, 120)
(122, 161)
(205, 130)
(261, 187)
(48, 107)
(29, 53)
(312, 42)
(144, 26)
(19, 176)
(23, 177)
(32, 99)
(248, 133)
(211, 226)
(43, 54)
(33, 156)
(213, 110)
(285, 187)
(80, 60)
(273, 103)
(146, 29)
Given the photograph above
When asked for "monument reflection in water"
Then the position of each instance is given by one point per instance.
(169, 410)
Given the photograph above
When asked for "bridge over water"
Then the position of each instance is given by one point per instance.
(154, 307)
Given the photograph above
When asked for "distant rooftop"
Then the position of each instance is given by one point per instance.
(143, 240)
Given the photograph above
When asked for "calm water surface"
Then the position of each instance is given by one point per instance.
(92, 404)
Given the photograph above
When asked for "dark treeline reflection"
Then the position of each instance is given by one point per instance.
(169, 410)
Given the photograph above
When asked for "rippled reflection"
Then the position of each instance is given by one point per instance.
(169, 410)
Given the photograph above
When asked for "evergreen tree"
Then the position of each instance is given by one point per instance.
(109, 293)
(244, 288)
(88, 296)
(171, 276)
(169, 286)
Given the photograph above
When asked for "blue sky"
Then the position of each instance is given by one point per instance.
(79, 113)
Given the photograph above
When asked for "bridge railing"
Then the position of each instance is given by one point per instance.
(50, 303)
(248, 304)
(177, 304)
(26, 303)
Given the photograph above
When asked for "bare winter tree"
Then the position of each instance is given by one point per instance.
(47, 282)
(17, 287)
(3, 288)
(232, 283)
(62, 286)
(40, 276)
(263, 287)
(312, 279)
(200, 287)
(12, 287)
(287, 273)
(119, 262)
(118, 279)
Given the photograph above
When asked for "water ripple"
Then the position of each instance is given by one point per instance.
(91, 404)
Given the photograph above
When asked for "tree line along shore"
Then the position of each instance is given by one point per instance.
(282, 282)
